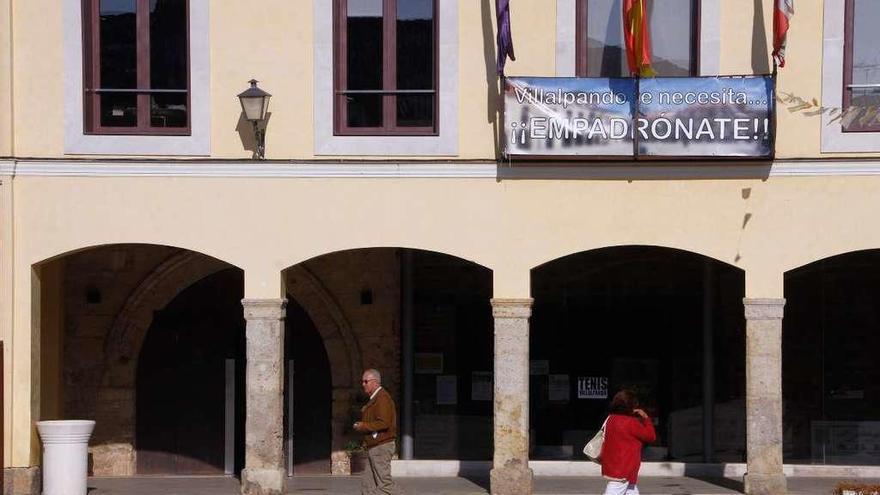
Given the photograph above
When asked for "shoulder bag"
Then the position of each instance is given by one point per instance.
(593, 448)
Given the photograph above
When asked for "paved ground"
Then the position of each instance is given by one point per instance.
(319, 485)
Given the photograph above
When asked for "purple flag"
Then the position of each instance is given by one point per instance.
(504, 39)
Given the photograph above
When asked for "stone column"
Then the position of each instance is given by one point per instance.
(22, 481)
(264, 472)
(764, 397)
(510, 473)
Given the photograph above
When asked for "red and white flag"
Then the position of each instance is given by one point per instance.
(782, 13)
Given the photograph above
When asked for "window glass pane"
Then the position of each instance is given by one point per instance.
(831, 379)
(118, 109)
(168, 47)
(364, 62)
(865, 55)
(671, 24)
(364, 56)
(168, 110)
(605, 54)
(415, 44)
(364, 110)
(415, 110)
(118, 48)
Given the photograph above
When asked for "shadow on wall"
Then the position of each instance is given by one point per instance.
(493, 92)
(760, 51)
(245, 131)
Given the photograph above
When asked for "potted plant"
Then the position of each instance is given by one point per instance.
(357, 456)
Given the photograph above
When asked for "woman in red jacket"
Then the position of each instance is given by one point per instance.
(628, 428)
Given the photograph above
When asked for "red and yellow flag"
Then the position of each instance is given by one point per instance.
(637, 38)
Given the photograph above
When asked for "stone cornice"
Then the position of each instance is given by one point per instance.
(264, 309)
(512, 308)
(764, 309)
(479, 169)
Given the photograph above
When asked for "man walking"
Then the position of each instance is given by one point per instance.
(379, 425)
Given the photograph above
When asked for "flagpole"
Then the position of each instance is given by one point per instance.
(502, 129)
(636, 121)
(773, 114)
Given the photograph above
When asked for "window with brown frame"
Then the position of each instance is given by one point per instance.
(136, 67)
(861, 65)
(385, 67)
(674, 28)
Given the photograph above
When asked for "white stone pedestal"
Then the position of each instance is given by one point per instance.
(65, 456)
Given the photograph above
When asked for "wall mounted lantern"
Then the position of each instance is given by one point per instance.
(255, 105)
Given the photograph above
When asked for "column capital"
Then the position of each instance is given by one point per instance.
(511, 308)
(264, 309)
(764, 309)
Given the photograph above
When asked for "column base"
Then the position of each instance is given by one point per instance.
(22, 481)
(765, 484)
(263, 481)
(510, 481)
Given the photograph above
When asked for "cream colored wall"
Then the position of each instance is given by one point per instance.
(6, 308)
(25, 367)
(5, 78)
(799, 134)
(274, 45)
(745, 40)
(38, 100)
(764, 227)
(745, 49)
(270, 42)
(509, 226)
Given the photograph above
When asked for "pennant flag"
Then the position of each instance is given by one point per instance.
(782, 13)
(504, 40)
(637, 38)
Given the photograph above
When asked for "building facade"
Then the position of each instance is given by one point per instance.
(213, 313)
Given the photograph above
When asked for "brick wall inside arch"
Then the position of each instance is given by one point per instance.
(111, 292)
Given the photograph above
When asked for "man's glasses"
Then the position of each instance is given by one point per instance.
(367, 381)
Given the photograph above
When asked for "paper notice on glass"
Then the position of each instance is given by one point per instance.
(447, 390)
(481, 385)
(592, 387)
(539, 367)
(559, 388)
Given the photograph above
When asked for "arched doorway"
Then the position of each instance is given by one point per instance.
(830, 371)
(97, 305)
(190, 382)
(372, 308)
(665, 323)
(307, 429)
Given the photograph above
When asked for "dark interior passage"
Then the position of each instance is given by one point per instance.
(453, 344)
(182, 380)
(312, 388)
(633, 317)
(182, 384)
(830, 371)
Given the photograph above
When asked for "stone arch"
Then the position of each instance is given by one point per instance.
(114, 449)
(800, 264)
(342, 350)
(339, 341)
(659, 247)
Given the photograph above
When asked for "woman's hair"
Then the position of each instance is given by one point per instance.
(624, 402)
